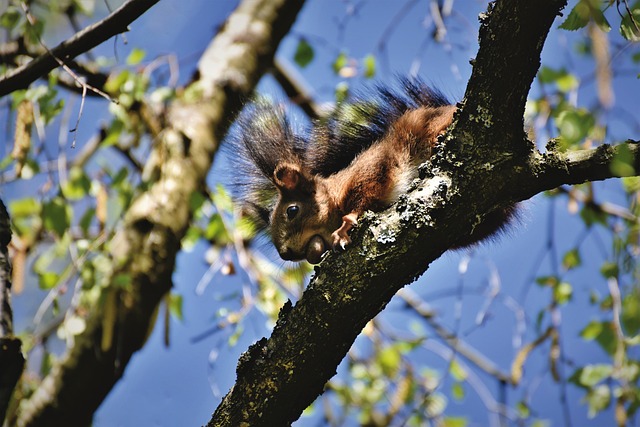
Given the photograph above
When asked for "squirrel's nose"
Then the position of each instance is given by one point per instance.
(286, 253)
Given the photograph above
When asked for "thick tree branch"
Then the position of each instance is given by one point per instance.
(277, 378)
(82, 42)
(503, 70)
(145, 248)
(554, 169)
(11, 359)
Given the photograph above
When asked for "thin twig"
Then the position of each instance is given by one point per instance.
(81, 42)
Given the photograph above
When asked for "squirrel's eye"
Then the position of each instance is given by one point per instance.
(292, 211)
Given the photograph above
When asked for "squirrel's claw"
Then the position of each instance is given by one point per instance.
(340, 237)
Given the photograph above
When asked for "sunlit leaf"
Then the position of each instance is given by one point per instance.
(175, 306)
(562, 293)
(340, 62)
(622, 163)
(48, 280)
(571, 259)
(574, 125)
(598, 399)
(603, 333)
(389, 360)
(609, 270)
(590, 375)
(56, 216)
(24, 207)
(136, 56)
(577, 18)
(457, 391)
(369, 63)
(454, 422)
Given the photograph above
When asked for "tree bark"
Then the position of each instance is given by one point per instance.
(145, 248)
(11, 358)
(488, 164)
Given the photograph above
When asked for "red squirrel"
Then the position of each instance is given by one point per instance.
(308, 192)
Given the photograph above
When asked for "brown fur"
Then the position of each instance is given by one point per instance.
(329, 206)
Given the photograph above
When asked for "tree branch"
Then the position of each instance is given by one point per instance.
(277, 378)
(145, 248)
(11, 359)
(82, 42)
(553, 169)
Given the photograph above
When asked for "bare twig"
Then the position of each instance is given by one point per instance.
(81, 42)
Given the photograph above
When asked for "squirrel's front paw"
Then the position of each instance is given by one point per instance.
(340, 237)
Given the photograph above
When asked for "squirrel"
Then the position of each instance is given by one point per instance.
(308, 191)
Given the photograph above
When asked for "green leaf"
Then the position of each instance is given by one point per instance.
(191, 237)
(24, 207)
(609, 270)
(574, 125)
(629, 28)
(122, 280)
(548, 75)
(622, 162)
(571, 259)
(86, 220)
(136, 56)
(600, 19)
(48, 280)
(10, 17)
(196, 200)
(389, 360)
(457, 371)
(342, 92)
(216, 230)
(457, 391)
(591, 331)
(598, 399)
(369, 66)
(567, 82)
(175, 306)
(630, 315)
(562, 293)
(591, 215)
(340, 62)
(551, 281)
(590, 375)
(523, 409)
(454, 422)
(56, 216)
(77, 185)
(631, 184)
(304, 53)
(603, 333)
(577, 18)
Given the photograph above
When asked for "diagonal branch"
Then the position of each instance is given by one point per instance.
(83, 41)
(277, 378)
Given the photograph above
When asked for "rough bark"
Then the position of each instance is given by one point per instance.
(11, 359)
(146, 246)
(486, 162)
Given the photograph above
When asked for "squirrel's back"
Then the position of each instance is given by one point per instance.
(369, 116)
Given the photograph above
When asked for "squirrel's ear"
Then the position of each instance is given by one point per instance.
(287, 176)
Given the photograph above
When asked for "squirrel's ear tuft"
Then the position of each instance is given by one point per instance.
(287, 176)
